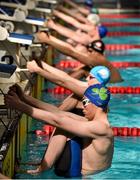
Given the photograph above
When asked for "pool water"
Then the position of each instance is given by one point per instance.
(124, 111)
(122, 40)
(128, 56)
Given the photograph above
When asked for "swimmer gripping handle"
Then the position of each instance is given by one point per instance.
(76, 158)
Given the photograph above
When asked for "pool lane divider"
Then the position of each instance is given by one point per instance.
(126, 131)
(117, 131)
(63, 64)
(122, 47)
(119, 16)
(113, 90)
(122, 24)
(121, 33)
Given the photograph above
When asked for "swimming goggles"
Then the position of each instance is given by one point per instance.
(85, 102)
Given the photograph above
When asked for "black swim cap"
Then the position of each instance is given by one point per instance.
(97, 45)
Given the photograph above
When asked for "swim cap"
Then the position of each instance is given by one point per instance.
(93, 18)
(97, 45)
(98, 94)
(89, 3)
(101, 73)
(94, 10)
(102, 31)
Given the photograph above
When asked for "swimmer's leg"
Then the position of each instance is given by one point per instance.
(53, 151)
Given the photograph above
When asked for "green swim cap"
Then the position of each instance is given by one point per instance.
(94, 10)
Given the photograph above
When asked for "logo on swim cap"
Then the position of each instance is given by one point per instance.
(102, 92)
(103, 73)
(98, 94)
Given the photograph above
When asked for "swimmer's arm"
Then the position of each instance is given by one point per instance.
(92, 59)
(68, 49)
(66, 32)
(19, 93)
(74, 13)
(79, 73)
(39, 104)
(67, 18)
(69, 103)
(58, 77)
(64, 120)
(81, 9)
(74, 22)
(70, 122)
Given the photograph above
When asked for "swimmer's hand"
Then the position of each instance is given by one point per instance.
(12, 100)
(43, 37)
(32, 66)
(18, 90)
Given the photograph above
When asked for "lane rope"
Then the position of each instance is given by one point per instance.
(112, 16)
(126, 131)
(113, 90)
(73, 64)
(122, 24)
(110, 34)
(122, 47)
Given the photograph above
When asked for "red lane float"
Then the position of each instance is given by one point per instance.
(118, 47)
(70, 64)
(46, 130)
(113, 90)
(122, 24)
(120, 16)
(126, 131)
(125, 64)
(59, 90)
(110, 34)
(124, 90)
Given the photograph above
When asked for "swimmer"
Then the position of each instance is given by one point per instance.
(94, 128)
(98, 74)
(90, 57)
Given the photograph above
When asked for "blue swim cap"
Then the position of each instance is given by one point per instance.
(98, 94)
(102, 31)
(101, 73)
(89, 3)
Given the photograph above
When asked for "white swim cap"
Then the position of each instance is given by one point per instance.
(94, 18)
